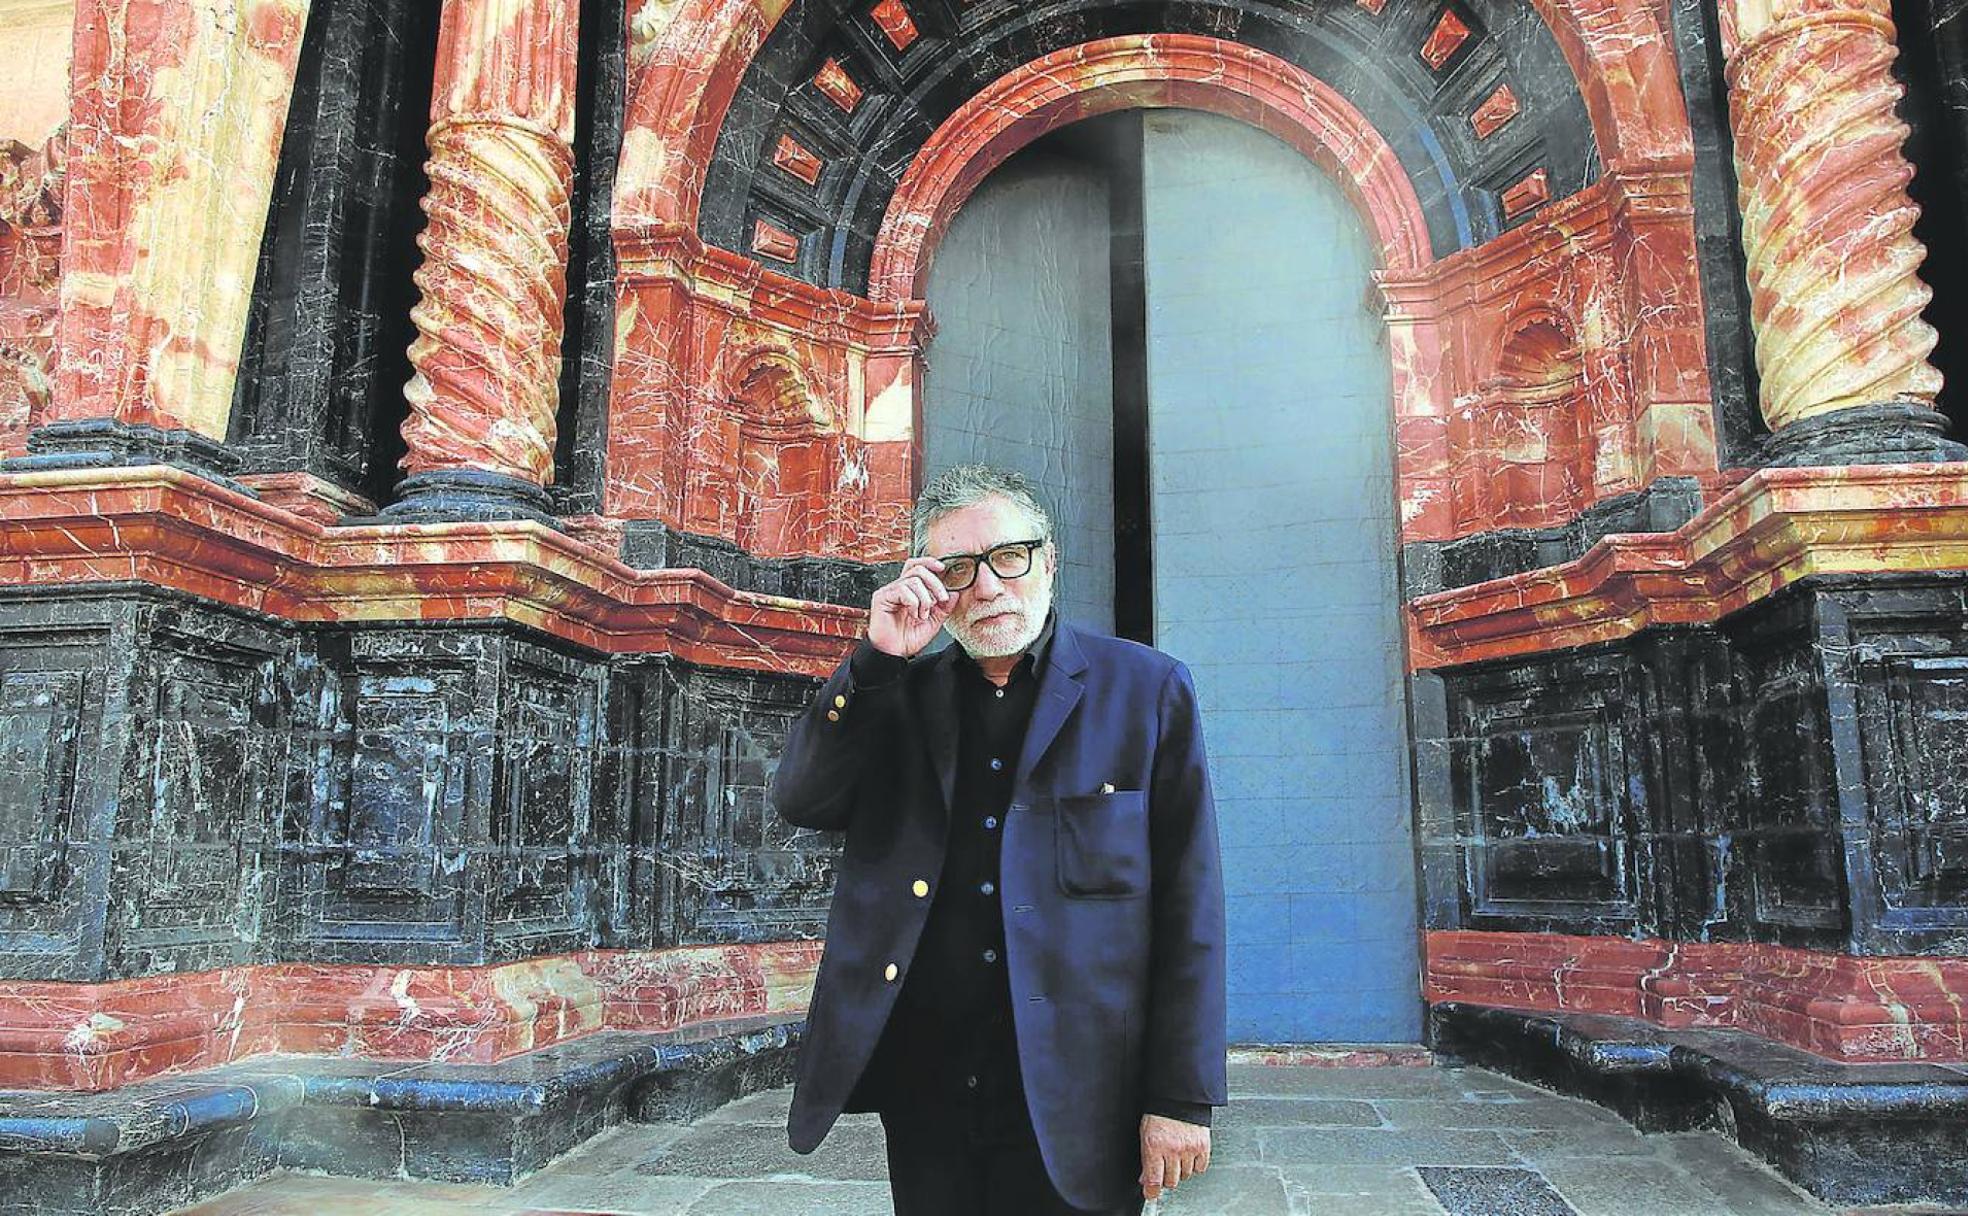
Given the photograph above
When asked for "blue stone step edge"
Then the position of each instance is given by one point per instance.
(1852, 1134)
(165, 1143)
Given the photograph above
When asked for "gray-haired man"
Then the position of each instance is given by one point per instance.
(1024, 966)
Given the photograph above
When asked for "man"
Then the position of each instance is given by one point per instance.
(1024, 963)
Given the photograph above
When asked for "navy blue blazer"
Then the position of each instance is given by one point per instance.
(1110, 884)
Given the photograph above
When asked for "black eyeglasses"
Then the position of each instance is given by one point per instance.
(1013, 559)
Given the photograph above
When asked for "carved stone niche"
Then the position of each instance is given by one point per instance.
(1524, 438)
(137, 790)
(441, 800)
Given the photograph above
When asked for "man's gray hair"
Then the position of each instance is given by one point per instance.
(966, 485)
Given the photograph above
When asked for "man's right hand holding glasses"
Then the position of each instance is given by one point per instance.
(903, 616)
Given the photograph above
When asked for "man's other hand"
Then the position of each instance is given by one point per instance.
(903, 616)
(1171, 1150)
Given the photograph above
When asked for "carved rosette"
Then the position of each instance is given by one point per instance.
(1827, 222)
(493, 283)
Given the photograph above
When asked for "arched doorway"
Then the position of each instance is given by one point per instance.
(1168, 318)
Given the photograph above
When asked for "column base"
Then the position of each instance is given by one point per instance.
(104, 443)
(1893, 432)
(469, 495)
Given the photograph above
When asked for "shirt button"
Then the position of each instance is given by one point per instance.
(833, 715)
(1001, 692)
(996, 764)
(989, 888)
(990, 821)
(890, 972)
(990, 956)
(971, 1081)
(840, 702)
(920, 887)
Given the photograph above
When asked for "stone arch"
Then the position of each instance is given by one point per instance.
(1122, 73)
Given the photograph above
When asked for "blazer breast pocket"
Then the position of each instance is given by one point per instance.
(1103, 844)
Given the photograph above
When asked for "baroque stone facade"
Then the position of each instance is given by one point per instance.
(442, 445)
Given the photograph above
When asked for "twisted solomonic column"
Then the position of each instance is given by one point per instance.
(493, 285)
(1828, 230)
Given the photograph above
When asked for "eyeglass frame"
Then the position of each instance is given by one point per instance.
(980, 560)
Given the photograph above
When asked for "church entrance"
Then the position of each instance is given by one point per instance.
(1167, 318)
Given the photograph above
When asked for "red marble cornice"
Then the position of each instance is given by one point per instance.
(165, 527)
(1775, 527)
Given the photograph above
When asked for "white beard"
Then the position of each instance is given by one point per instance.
(1002, 638)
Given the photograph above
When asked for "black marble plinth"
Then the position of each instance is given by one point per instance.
(1848, 1133)
(1895, 432)
(104, 443)
(153, 1146)
(374, 793)
(1793, 774)
(452, 495)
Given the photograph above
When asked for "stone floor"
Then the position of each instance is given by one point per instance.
(1297, 1140)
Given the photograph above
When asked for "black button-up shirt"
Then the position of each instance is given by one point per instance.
(950, 1045)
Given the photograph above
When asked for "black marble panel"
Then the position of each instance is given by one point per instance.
(721, 865)
(136, 744)
(588, 345)
(1733, 381)
(1785, 814)
(1550, 795)
(185, 787)
(441, 800)
(1371, 59)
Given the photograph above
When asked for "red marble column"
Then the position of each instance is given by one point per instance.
(177, 110)
(480, 435)
(1828, 230)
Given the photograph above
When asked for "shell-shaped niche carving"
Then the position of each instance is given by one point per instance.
(1538, 364)
(773, 390)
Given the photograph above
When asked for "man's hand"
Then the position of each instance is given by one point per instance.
(1171, 1150)
(904, 615)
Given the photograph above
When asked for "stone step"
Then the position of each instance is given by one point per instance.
(156, 1145)
(1849, 1133)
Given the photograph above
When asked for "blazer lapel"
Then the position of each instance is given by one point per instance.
(938, 708)
(1059, 694)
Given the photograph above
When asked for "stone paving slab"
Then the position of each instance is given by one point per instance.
(1295, 1141)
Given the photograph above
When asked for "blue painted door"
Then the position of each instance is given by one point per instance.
(1271, 469)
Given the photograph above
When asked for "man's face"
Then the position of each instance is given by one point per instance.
(994, 616)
